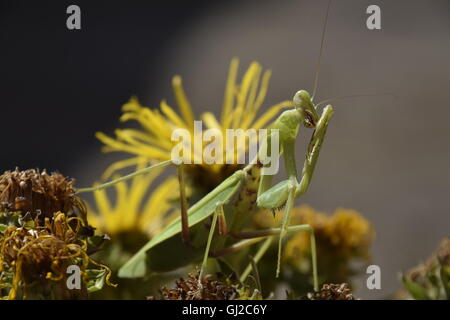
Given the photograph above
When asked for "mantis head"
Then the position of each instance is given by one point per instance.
(303, 102)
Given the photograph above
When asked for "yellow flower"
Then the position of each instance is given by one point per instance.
(345, 234)
(241, 104)
(350, 232)
(134, 209)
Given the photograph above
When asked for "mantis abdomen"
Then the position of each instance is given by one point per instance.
(245, 204)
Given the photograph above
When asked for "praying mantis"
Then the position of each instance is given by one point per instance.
(233, 201)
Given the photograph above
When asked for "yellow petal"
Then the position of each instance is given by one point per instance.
(249, 77)
(141, 150)
(228, 100)
(122, 215)
(150, 120)
(210, 121)
(139, 187)
(147, 138)
(103, 204)
(168, 111)
(182, 101)
(96, 221)
(159, 202)
(132, 105)
(258, 102)
(271, 113)
(129, 137)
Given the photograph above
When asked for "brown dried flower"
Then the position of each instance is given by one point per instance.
(331, 292)
(36, 257)
(431, 279)
(39, 194)
(193, 289)
(44, 230)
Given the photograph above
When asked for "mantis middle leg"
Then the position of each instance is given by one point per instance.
(252, 237)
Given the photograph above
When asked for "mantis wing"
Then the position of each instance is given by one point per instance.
(136, 266)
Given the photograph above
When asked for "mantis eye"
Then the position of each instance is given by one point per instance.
(303, 102)
(309, 120)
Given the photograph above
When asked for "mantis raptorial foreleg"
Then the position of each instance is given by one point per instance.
(313, 150)
(307, 172)
(284, 193)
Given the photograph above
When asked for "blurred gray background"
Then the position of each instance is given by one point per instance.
(384, 156)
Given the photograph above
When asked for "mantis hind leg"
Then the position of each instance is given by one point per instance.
(183, 206)
(218, 213)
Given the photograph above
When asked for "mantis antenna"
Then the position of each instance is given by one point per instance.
(316, 79)
(354, 96)
(125, 178)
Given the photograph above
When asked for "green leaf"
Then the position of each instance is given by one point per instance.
(136, 266)
(99, 280)
(3, 227)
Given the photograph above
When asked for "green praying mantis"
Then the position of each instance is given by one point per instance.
(233, 201)
(228, 207)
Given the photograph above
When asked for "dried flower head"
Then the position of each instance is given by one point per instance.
(39, 194)
(43, 231)
(193, 289)
(331, 292)
(443, 252)
(38, 256)
(431, 280)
